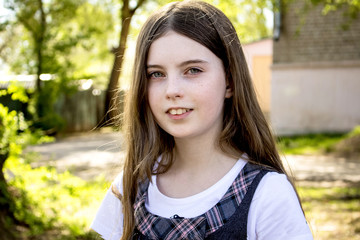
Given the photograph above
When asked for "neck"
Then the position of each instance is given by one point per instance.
(198, 164)
(194, 152)
(198, 154)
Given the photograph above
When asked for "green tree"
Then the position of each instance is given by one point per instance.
(111, 99)
(8, 132)
(14, 136)
(39, 18)
(59, 38)
(247, 16)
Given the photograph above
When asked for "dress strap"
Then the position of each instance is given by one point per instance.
(223, 218)
(236, 226)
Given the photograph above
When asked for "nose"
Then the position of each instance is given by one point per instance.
(174, 89)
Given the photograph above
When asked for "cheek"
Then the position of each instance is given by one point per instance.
(152, 98)
(215, 96)
(215, 90)
(212, 100)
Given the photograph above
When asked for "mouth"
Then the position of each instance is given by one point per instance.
(178, 111)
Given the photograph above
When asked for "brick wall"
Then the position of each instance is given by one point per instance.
(313, 37)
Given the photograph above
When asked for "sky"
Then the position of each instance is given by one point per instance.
(2, 9)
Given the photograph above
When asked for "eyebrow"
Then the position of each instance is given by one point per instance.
(180, 65)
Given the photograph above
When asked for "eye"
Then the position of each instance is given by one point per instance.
(193, 71)
(155, 75)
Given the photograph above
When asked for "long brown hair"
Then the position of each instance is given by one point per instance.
(245, 129)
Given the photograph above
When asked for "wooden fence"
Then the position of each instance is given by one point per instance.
(82, 111)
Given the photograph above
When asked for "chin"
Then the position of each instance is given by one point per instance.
(180, 135)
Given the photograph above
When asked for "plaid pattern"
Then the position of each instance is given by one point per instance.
(226, 207)
(155, 227)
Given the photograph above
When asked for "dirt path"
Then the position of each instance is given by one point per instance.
(324, 170)
(89, 155)
(85, 155)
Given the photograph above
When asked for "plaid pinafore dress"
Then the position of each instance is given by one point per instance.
(226, 220)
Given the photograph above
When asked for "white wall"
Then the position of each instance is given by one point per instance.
(315, 97)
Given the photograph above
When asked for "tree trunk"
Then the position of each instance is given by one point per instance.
(113, 106)
(39, 44)
(7, 218)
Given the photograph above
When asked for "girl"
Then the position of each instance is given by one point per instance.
(201, 162)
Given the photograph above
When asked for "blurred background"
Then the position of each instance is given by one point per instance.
(65, 66)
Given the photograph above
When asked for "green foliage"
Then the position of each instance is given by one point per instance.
(354, 133)
(44, 199)
(248, 17)
(15, 134)
(67, 39)
(350, 9)
(17, 92)
(74, 32)
(41, 108)
(308, 144)
(47, 200)
(11, 144)
(329, 194)
(349, 146)
(8, 131)
(317, 143)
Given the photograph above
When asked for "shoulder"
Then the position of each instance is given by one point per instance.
(108, 221)
(118, 182)
(275, 211)
(274, 191)
(274, 194)
(275, 185)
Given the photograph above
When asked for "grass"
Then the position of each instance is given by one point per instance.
(332, 213)
(61, 206)
(322, 143)
(55, 205)
(309, 144)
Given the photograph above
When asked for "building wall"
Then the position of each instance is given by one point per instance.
(315, 74)
(314, 37)
(259, 59)
(321, 98)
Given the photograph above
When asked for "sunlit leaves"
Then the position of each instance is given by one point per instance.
(75, 33)
(248, 17)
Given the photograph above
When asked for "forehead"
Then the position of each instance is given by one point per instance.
(174, 47)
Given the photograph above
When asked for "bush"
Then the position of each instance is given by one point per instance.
(349, 147)
(308, 144)
(8, 130)
(49, 201)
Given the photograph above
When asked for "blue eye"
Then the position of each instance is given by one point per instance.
(155, 75)
(194, 71)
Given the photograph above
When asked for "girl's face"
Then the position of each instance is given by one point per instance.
(187, 87)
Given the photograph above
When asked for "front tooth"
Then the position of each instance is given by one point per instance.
(179, 111)
(173, 111)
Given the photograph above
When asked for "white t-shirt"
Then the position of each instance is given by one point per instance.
(274, 213)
